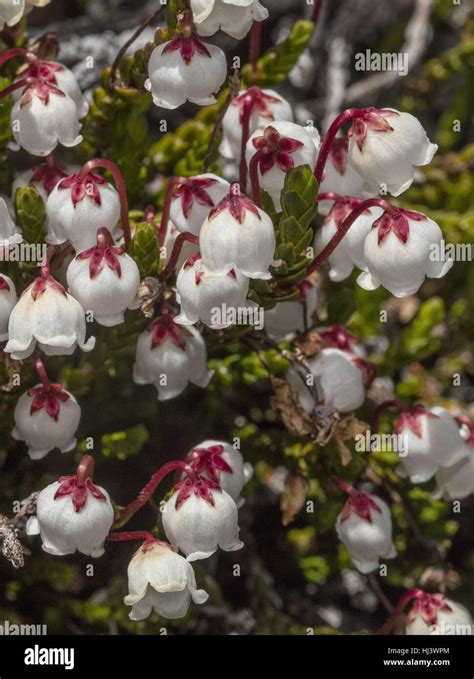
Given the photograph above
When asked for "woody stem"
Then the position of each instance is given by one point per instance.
(334, 128)
(165, 216)
(24, 82)
(246, 114)
(255, 45)
(176, 251)
(41, 370)
(316, 11)
(11, 54)
(85, 469)
(256, 191)
(398, 610)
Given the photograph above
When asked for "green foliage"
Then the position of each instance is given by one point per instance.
(30, 214)
(144, 248)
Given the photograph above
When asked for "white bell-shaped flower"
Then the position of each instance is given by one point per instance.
(295, 316)
(193, 198)
(206, 295)
(8, 300)
(170, 356)
(44, 117)
(185, 69)
(200, 517)
(400, 250)
(282, 146)
(365, 528)
(9, 232)
(78, 207)
(262, 107)
(43, 177)
(162, 581)
(234, 17)
(72, 515)
(48, 316)
(435, 614)
(385, 147)
(339, 175)
(340, 380)
(222, 463)
(46, 417)
(188, 250)
(105, 280)
(349, 253)
(11, 11)
(431, 441)
(237, 234)
(338, 337)
(456, 482)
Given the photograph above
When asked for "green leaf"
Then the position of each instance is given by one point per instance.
(30, 214)
(144, 249)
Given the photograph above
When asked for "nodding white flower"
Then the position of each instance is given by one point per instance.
(234, 17)
(223, 464)
(44, 117)
(188, 250)
(12, 11)
(456, 482)
(43, 177)
(46, 417)
(72, 515)
(238, 234)
(400, 250)
(200, 517)
(193, 198)
(339, 175)
(202, 293)
(185, 69)
(282, 145)
(78, 207)
(431, 441)
(57, 75)
(349, 253)
(46, 314)
(338, 377)
(263, 107)
(438, 615)
(385, 147)
(365, 528)
(295, 316)
(170, 356)
(9, 232)
(162, 581)
(105, 280)
(337, 336)
(8, 300)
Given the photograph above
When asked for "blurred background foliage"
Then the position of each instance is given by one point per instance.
(297, 577)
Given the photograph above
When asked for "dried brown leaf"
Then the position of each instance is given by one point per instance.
(293, 497)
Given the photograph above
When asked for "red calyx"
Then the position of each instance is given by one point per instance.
(163, 330)
(428, 606)
(39, 89)
(194, 189)
(78, 490)
(255, 99)
(48, 398)
(81, 187)
(411, 419)
(275, 149)
(48, 175)
(372, 119)
(369, 370)
(201, 487)
(396, 221)
(210, 460)
(45, 70)
(337, 336)
(41, 284)
(341, 208)
(191, 261)
(3, 284)
(101, 256)
(237, 204)
(338, 153)
(187, 46)
(362, 504)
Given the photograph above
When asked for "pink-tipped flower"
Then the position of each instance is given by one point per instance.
(338, 337)
(339, 175)
(171, 356)
(8, 300)
(193, 198)
(46, 417)
(385, 148)
(78, 207)
(365, 528)
(436, 614)
(295, 316)
(185, 69)
(200, 517)
(43, 177)
(162, 581)
(48, 316)
(234, 17)
(262, 106)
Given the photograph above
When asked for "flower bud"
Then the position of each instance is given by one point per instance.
(162, 581)
(170, 356)
(46, 314)
(295, 316)
(398, 253)
(200, 517)
(385, 147)
(365, 528)
(185, 69)
(193, 198)
(8, 300)
(234, 17)
(339, 175)
(438, 615)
